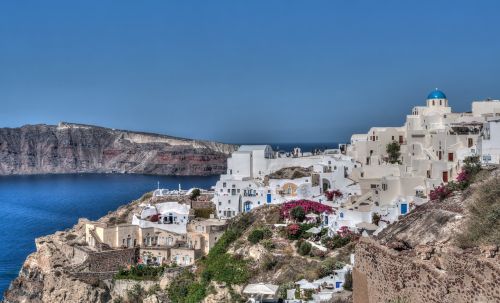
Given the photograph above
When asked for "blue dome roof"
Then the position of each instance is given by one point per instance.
(436, 94)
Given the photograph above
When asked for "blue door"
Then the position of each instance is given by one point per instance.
(248, 206)
(338, 284)
(404, 208)
(269, 198)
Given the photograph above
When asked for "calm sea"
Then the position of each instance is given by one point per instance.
(33, 206)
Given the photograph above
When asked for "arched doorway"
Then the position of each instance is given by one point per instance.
(247, 206)
(326, 185)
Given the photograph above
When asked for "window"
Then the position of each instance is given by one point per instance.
(228, 201)
(450, 157)
(384, 186)
(373, 185)
(224, 184)
(470, 142)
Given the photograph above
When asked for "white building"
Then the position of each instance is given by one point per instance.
(245, 185)
(489, 142)
(168, 216)
(433, 143)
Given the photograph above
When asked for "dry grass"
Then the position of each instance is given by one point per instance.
(483, 225)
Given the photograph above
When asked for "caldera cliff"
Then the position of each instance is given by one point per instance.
(77, 148)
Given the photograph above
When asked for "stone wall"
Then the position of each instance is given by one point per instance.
(447, 275)
(112, 260)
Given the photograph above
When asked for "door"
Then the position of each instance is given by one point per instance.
(470, 142)
(445, 177)
(401, 140)
(450, 157)
(404, 208)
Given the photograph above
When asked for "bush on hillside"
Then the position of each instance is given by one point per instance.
(255, 236)
(304, 248)
(136, 293)
(298, 214)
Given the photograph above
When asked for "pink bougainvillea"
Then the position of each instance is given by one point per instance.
(463, 177)
(440, 193)
(308, 206)
(293, 229)
(344, 232)
(332, 194)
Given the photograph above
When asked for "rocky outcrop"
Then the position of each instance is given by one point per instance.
(419, 259)
(44, 276)
(76, 148)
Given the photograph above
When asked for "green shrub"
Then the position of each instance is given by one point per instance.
(328, 266)
(304, 248)
(154, 289)
(267, 233)
(195, 193)
(336, 241)
(140, 272)
(179, 288)
(255, 236)
(298, 214)
(393, 151)
(136, 293)
(268, 244)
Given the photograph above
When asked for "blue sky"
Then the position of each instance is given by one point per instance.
(243, 71)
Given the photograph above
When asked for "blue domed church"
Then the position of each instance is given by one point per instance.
(437, 98)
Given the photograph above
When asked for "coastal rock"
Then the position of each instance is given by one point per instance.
(76, 148)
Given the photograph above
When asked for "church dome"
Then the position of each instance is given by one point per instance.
(436, 94)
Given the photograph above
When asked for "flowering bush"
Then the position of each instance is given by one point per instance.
(344, 232)
(293, 229)
(307, 206)
(332, 194)
(440, 193)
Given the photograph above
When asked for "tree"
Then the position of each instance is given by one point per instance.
(195, 193)
(298, 214)
(348, 280)
(472, 165)
(256, 235)
(394, 151)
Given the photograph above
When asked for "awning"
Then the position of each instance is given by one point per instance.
(261, 289)
(367, 226)
(314, 230)
(308, 285)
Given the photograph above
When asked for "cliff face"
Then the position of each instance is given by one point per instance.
(75, 148)
(419, 259)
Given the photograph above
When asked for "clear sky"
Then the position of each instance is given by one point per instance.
(243, 71)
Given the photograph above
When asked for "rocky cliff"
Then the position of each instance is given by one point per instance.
(76, 148)
(431, 255)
